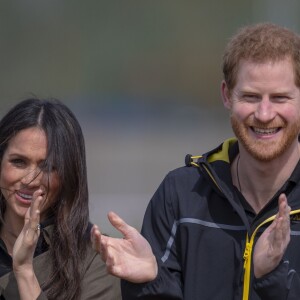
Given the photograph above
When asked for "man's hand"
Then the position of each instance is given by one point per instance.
(271, 245)
(130, 258)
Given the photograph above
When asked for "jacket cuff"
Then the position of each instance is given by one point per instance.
(274, 285)
(42, 296)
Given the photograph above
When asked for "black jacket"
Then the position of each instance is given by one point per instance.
(202, 232)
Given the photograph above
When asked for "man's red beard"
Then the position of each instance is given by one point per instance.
(265, 149)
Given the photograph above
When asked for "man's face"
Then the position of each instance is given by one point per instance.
(265, 108)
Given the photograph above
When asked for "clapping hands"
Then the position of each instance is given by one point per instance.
(131, 257)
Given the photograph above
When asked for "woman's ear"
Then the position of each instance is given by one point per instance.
(225, 95)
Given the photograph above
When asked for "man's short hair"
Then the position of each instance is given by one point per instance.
(259, 43)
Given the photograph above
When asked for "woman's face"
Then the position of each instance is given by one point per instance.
(21, 173)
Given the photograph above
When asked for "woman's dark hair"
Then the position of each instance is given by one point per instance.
(65, 153)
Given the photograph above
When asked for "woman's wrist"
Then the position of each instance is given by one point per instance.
(29, 287)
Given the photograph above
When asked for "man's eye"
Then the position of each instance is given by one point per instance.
(280, 98)
(250, 97)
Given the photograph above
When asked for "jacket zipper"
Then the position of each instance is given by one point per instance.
(248, 255)
(249, 241)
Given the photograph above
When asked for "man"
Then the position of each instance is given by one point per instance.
(227, 226)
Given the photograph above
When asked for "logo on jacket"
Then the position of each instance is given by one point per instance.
(295, 218)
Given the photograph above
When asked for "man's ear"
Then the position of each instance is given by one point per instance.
(225, 95)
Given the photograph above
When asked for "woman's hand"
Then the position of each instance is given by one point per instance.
(24, 248)
(271, 245)
(130, 258)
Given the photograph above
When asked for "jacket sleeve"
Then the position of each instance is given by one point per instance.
(157, 227)
(42, 296)
(280, 284)
(97, 283)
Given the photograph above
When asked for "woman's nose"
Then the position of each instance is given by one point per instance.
(32, 177)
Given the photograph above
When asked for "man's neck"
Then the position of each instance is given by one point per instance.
(259, 181)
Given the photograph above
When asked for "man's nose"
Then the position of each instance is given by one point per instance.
(265, 110)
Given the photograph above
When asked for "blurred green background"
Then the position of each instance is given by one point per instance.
(142, 77)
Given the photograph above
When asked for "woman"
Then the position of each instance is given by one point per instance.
(45, 250)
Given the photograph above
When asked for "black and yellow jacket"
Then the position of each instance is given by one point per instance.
(96, 283)
(202, 232)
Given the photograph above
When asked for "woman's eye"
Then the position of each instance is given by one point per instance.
(18, 162)
(45, 167)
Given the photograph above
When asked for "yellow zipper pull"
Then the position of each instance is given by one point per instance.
(247, 253)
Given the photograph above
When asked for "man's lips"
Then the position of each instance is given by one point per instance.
(265, 131)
